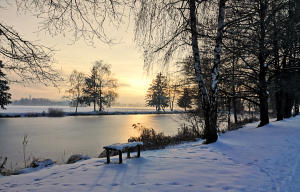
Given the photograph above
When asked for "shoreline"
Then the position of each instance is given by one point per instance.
(65, 114)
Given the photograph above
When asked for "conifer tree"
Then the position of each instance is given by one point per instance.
(185, 101)
(158, 93)
(4, 88)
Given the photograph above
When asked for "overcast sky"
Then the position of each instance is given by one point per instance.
(125, 58)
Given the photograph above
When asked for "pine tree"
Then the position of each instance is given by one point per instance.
(185, 101)
(157, 93)
(4, 95)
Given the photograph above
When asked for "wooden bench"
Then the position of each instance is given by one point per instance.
(123, 147)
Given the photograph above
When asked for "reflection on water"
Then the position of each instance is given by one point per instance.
(58, 138)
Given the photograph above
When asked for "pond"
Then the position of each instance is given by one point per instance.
(59, 137)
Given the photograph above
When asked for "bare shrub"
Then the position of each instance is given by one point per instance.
(52, 112)
(157, 140)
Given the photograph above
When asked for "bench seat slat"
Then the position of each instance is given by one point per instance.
(120, 147)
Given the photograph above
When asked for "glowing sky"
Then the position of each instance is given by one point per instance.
(125, 58)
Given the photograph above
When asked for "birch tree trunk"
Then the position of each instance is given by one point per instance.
(233, 91)
(209, 101)
(215, 74)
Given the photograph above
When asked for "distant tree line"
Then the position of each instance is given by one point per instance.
(38, 102)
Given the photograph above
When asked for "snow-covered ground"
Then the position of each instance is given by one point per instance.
(250, 159)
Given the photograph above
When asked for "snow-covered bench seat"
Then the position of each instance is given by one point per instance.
(120, 147)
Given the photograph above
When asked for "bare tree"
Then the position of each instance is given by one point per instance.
(172, 26)
(77, 84)
(84, 19)
(100, 86)
(25, 60)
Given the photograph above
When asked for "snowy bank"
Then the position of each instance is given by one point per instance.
(247, 160)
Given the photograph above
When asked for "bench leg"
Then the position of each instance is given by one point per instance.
(120, 157)
(128, 153)
(107, 156)
(139, 151)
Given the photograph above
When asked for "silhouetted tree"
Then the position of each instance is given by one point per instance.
(27, 61)
(168, 27)
(77, 84)
(31, 62)
(157, 94)
(174, 87)
(100, 86)
(4, 95)
(185, 101)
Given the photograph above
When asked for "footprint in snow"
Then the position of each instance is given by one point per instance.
(132, 183)
(55, 183)
(114, 184)
(37, 179)
(174, 183)
(227, 188)
(157, 184)
(98, 185)
(13, 185)
(189, 185)
(66, 185)
(82, 184)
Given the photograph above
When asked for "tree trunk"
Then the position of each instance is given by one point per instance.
(76, 105)
(263, 95)
(100, 98)
(278, 92)
(279, 108)
(296, 107)
(203, 92)
(233, 92)
(209, 103)
(228, 112)
(215, 75)
(289, 102)
(172, 103)
(95, 104)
